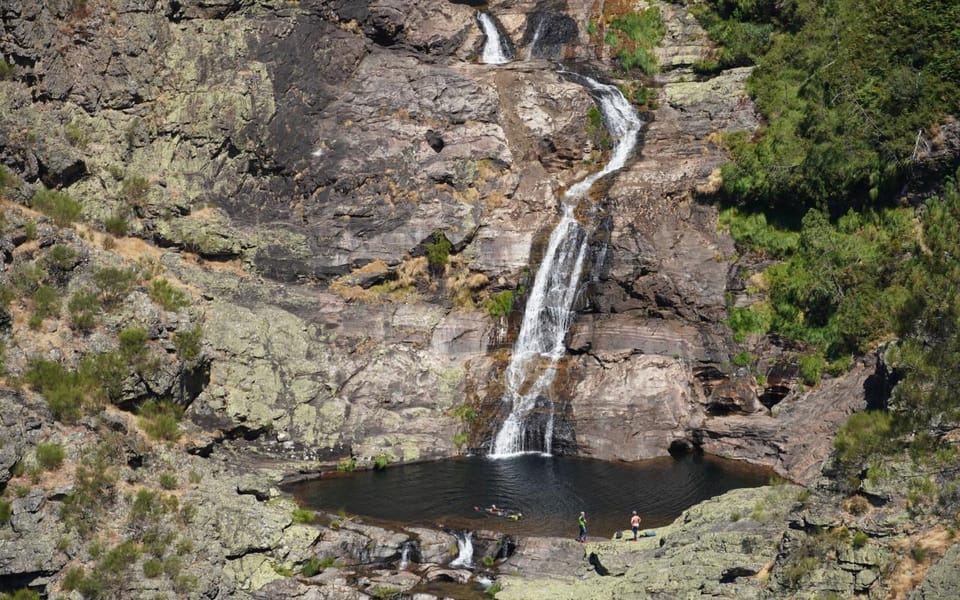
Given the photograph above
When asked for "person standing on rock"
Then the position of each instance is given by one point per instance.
(582, 522)
(635, 524)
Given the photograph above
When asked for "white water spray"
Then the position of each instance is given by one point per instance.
(495, 51)
(536, 38)
(548, 313)
(465, 557)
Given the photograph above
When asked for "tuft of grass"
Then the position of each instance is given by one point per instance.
(304, 516)
(166, 295)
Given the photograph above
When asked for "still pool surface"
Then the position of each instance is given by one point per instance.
(549, 491)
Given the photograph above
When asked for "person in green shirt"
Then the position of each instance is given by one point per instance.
(582, 522)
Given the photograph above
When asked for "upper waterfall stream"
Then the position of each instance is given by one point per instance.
(547, 316)
(496, 50)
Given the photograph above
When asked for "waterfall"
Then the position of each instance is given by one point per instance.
(405, 550)
(548, 313)
(465, 557)
(537, 32)
(496, 50)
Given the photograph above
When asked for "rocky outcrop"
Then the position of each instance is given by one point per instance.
(715, 549)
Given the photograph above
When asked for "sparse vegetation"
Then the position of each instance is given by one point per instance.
(500, 304)
(84, 306)
(438, 252)
(304, 516)
(166, 295)
(63, 209)
(50, 455)
(161, 419)
(114, 283)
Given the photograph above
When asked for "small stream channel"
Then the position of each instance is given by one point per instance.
(549, 491)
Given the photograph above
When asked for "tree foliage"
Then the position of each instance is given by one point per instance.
(850, 91)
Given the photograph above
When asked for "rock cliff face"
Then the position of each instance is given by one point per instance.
(324, 147)
(344, 189)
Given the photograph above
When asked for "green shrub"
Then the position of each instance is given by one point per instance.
(742, 359)
(494, 589)
(438, 252)
(348, 464)
(500, 304)
(755, 319)
(63, 209)
(304, 516)
(5, 511)
(114, 283)
(188, 343)
(106, 373)
(27, 278)
(460, 438)
(116, 225)
(168, 296)
(311, 567)
(63, 389)
(633, 37)
(381, 461)
(161, 419)
(864, 434)
(135, 351)
(811, 366)
(84, 306)
(152, 568)
(61, 257)
(50, 455)
(46, 304)
(72, 579)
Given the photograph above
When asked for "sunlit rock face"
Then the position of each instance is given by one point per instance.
(321, 147)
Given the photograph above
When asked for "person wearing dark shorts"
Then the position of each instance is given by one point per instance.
(582, 522)
(635, 524)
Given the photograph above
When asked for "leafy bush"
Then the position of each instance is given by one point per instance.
(381, 461)
(161, 419)
(50, 455)
(188, 343)
(135, 351)
(633, 37)
(166, 295)
(84, 306)
(114, 283)
(63, 209)
(7, 70)
(105, 373)
(864, 434)
(811, 366)
(500, 304)
(61, 257)
(347, 464)
(63, 389)
(438, 252)
(5, 511)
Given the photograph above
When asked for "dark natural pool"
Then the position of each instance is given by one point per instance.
(549, 491)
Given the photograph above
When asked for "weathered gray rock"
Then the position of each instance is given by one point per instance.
(942, 579)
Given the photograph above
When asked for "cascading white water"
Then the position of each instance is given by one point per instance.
(495, 51)
(536, 38)
(405, 555)
(548, 312)
(464, 558)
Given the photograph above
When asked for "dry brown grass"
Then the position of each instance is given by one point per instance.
(909, 571)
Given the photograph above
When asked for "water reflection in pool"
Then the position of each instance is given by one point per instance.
(549, 491)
